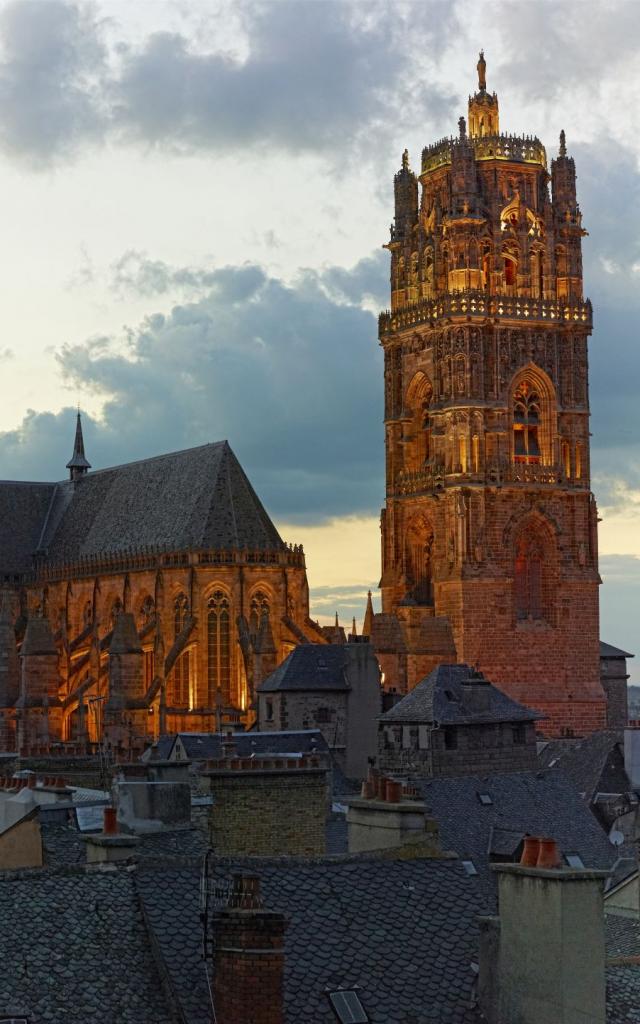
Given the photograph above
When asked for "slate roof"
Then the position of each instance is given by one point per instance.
(199, 498)
(623, 978)
(593, 763)
(200, 746)
(78, 951)
(537, 803)
(609, 651)
(404, 932)
(310, 667)
(63, 845)
(440, 698)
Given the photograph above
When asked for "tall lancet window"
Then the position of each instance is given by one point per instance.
(181, 670)
(526, 424)
(218, 648)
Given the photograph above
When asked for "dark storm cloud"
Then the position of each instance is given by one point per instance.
(292, 378)
(318, 76)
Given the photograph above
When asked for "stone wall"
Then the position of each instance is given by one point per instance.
(423, 750)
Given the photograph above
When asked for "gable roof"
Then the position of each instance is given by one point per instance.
(440, 697)
(310, 667)
(199, 498)
(403, 931)
(533, 803)
(592, 763)
(200, 746)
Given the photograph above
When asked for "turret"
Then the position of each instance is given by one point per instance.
(484, 116)
(568, 224)
(405, 190)
(78, 465)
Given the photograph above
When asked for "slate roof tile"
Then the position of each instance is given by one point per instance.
(310, 667)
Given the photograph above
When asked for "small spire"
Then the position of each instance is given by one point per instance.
(462, 127)
(482, 72)
(368, 617)
(563, 143)
(354, 631)
(78, 464)
(405, 160)
(337, 623)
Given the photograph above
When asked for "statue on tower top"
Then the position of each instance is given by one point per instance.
(482, 72)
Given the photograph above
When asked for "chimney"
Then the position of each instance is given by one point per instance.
(543, 958)
(249, 958)
(283, 797)
(386, 817)
(110, 845)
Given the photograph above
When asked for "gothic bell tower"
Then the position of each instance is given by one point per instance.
(489, 546)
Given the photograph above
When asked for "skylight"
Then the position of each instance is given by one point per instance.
(574, 860)
(469, 867)
(347, 1007)
(485, 799)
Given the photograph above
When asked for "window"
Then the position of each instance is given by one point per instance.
(418, 559)
(148, 663)
(179, 694)
(269, 710)
(526, 424)
(259, 608)
(469, 867)
(323, 715)
(528, 578)
(485, 799)
(147, 611)
(519, 733)
(450, 737)
(218, 648)
(347, 1007)
(574, 860)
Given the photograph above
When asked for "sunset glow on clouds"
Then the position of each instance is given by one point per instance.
(194, 200)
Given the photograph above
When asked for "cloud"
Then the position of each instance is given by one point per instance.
(304, 77)
(52, 69)
(291, 377)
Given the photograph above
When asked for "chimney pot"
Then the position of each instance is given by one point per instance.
(548, 854)
(381, 787)
(394, 791)
(530, 852)
(31, 782)
(110, 826)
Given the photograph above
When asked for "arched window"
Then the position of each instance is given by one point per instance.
(417, 439)
(528, 577)
(147, 611)
(259, 607)
(526, 423)
(418, 560)
(116, 608)
(218, 648)
(181, 670)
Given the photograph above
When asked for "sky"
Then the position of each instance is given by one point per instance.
(194, 197)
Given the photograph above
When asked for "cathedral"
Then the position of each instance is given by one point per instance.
(147, 598)
(489, 530)
(155, 596)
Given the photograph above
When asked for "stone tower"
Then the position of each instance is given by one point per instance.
(489, 544)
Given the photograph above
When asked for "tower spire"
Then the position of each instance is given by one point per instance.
(78, 464)
(563, 143)
(368, 617)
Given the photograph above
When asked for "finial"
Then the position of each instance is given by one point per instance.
(563, 143)
(78, 464)
(482, 72)
(405, 160)
(337, 623)
(462, 126)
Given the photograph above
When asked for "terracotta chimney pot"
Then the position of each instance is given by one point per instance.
(394, 791)
(381, 787)
(530, 852)
(110, 826)
(548, 855)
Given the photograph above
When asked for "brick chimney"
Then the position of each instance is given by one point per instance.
(268, 806)
(249, 958)
(388, 817)
(543, 958)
